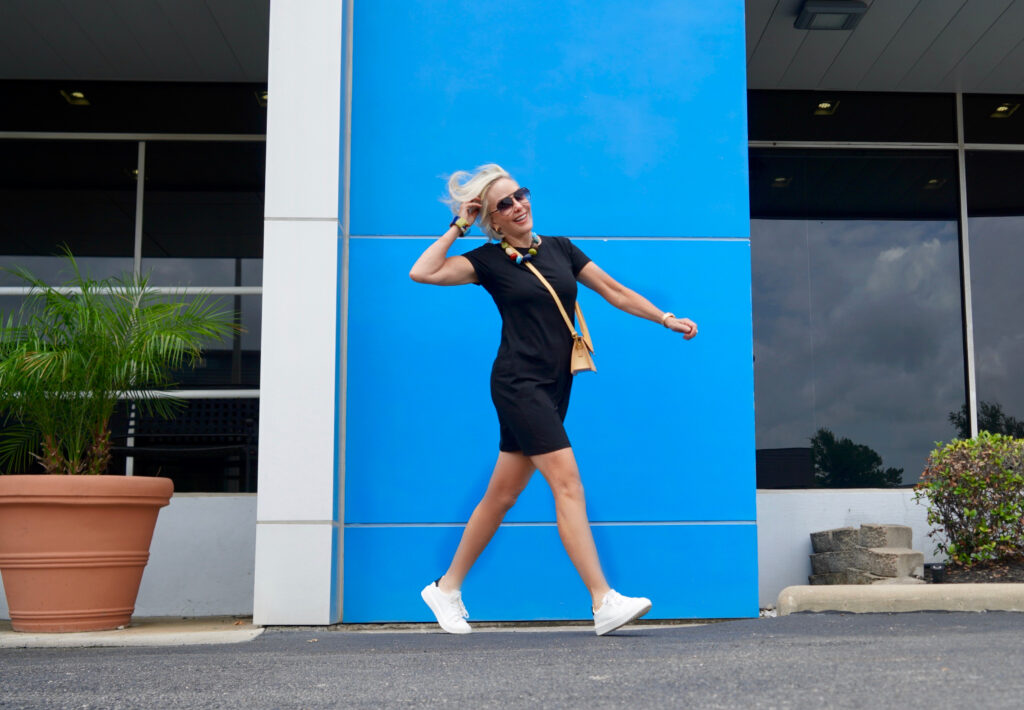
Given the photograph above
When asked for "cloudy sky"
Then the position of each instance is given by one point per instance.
(857, 329)
(997, 291)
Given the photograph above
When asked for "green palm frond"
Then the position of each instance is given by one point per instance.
(66, 359)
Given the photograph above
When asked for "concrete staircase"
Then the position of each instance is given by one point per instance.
(874, 554)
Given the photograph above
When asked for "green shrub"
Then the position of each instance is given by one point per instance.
(975, 494)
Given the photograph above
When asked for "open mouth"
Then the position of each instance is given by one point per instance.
(521, 218)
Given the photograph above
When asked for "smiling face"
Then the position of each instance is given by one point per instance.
(515, 224)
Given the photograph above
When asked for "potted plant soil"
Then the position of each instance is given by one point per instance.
(73, 540)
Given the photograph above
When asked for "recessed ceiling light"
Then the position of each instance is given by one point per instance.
(826, 108)
(934, 183)
(781, 181)
(830, 15)
(261, 97)
(1004, 110)
(75, 98)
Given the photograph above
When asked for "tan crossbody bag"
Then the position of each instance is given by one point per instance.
(582, 347)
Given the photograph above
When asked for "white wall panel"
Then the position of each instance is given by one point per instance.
(786, 519)
(201, 560)
(202, 556)
(297, 385)
(304, 110)
(293, 574)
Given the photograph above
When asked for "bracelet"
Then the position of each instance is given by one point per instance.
(462, 225)
(666, 317)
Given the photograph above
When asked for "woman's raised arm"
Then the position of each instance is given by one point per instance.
(435, 266)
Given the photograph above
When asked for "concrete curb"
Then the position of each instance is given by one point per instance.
(142, 632)
(870, 598)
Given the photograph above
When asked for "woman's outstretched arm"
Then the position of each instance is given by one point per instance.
(435, 266)
(628, 300)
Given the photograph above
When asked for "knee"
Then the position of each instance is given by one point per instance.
(568, 490)
(501, 500)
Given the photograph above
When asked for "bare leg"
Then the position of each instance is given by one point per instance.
(563, 475)
(511, 474)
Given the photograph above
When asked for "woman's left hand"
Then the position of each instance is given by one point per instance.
(682, 325)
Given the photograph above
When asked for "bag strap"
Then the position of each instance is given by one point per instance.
(561, 309)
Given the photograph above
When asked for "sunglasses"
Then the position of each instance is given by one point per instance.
(506, 203)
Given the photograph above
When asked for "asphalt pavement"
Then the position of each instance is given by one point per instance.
(907, 660)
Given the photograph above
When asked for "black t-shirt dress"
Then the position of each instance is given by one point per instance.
(530, 379)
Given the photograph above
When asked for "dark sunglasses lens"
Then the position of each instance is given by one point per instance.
(520, 195)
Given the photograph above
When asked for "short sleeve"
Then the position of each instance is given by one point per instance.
(577, 258)
(483, 272)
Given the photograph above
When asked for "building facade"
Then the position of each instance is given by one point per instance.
(837, 204)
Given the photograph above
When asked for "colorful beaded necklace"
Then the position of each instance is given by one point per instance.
(518, 257)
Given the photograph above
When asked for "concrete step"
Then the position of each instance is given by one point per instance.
(893, 562)
(835, 540)
(828, 578)
(886, 536)
(826, 562)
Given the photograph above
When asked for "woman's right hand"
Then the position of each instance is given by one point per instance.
(469, 210)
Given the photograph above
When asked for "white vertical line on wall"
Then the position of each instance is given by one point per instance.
(965, 271)
(140, 181)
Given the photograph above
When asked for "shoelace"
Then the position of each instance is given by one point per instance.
(611, 600)
(460, 608)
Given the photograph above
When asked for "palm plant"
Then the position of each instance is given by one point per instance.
(72, 352)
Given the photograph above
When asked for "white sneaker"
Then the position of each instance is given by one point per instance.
(448, 608)
(617, 610)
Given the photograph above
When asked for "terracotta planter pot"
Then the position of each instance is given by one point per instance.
(73, 548)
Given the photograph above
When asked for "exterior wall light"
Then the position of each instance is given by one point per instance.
(830, 15)
(781, 181)
(1004, 110)
(934, 183)
(261, 97)
(826, 108)
(75, 98)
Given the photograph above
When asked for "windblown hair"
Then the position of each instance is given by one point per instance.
(464, 186)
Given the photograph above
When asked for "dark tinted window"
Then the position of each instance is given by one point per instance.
(857, 337)
(996, 229)
(75, 193)
(993, 118)
(857, 116)
(203, 213)
(133, 107)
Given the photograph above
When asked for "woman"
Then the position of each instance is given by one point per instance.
(530, 379)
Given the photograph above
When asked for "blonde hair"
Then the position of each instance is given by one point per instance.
(464, 186)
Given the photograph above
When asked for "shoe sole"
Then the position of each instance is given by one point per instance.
(437, 616)
(610, 626)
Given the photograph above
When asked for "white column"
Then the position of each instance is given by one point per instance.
(299, 505)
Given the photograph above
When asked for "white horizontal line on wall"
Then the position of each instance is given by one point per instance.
(607, 524)
(598, 239)
(300, 219)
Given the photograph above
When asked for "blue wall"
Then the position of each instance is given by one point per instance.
(628, 124)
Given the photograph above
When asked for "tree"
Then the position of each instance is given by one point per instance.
(991, 418)
(840, 463)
